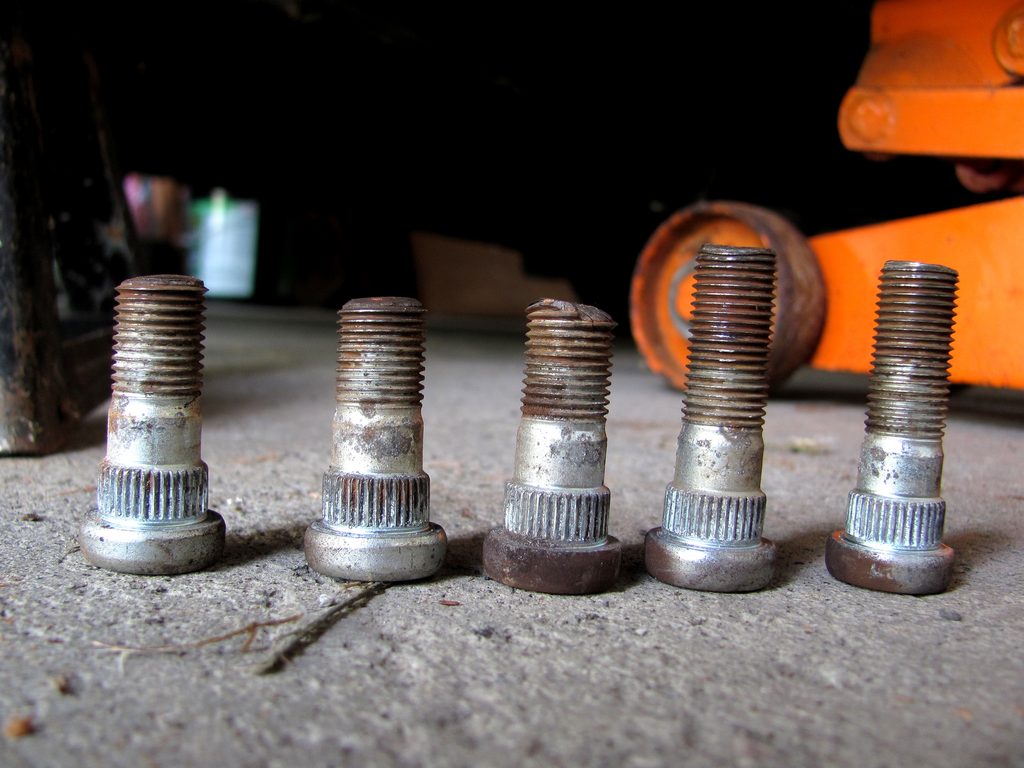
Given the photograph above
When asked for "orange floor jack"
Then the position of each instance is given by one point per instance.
(942, 78)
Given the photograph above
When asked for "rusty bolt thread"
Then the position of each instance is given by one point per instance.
(158, 336)
(555, 537)
(557, 493)
(153, 471)
(152, 491)
(380, 352)
(715, 497)
(727, 378)
(568, 360)
(897, 502)
(713, 515)
(908, 390)
(376, 497)
(895, 516)
(376, 479)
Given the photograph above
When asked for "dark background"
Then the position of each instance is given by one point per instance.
(568, 131)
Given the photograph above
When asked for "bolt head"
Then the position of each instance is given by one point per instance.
(684, 563)
(903, 571)
(153, 550)
(869, 115)
(1015, 35)
(393, 555)
(1008, 44)
(527, 563)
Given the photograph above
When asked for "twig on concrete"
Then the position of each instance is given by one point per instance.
(258, 459)
(18, 726)
(294, 641)
(283, 648)
(71, 551)
(80, 489)
(249, 629)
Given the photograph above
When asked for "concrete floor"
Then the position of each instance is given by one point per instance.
(117, 670)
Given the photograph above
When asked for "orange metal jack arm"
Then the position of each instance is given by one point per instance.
(982, 242)
(942, 78)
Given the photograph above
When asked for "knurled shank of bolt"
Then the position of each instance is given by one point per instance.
(893, 536)
(710, 537)
(152, 515)
(376, 497)
(555, 538)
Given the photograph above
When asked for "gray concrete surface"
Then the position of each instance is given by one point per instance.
(118, 670)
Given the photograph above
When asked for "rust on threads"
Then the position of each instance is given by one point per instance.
(158, 336)
(908, 391)
(384, 337)
(568, 360)
(727, 380)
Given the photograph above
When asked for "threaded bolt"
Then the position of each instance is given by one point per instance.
(555, 538)
(893, 536)
(376, 498)
(151, 515)
(710, 536)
